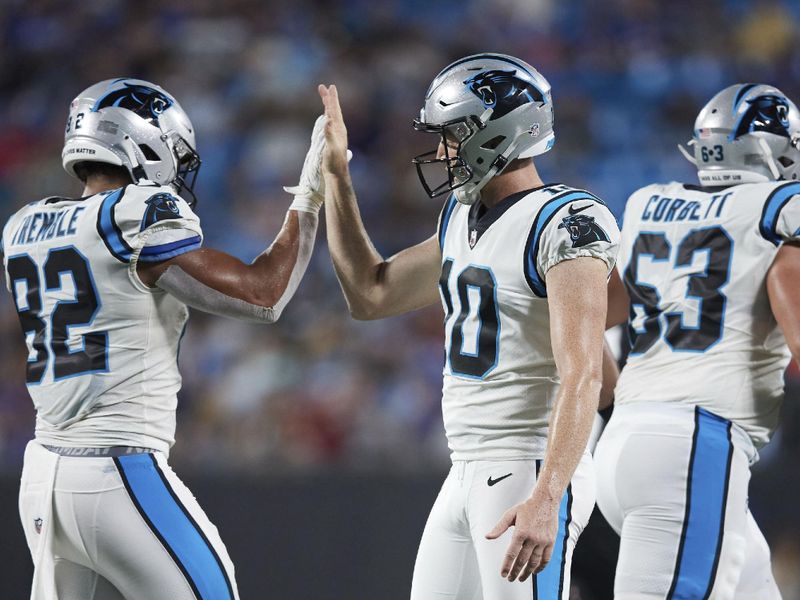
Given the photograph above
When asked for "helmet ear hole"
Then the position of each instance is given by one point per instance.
(493, 143)
(785, 161)
(148, 152)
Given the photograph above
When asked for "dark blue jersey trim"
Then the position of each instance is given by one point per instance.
(108, 229)
(775, 202)
(170, 250)
(480, 218)
(546, 213)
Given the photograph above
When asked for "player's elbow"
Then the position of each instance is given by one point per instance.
(262, 314)
(367, 306)
(364, 311)
(261, 307)
(586, 381)
(265, 296)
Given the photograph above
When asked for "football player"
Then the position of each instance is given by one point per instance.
(102, 284)
(521, 268)
(707, 279)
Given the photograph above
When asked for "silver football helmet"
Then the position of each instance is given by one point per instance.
(746, 133)
(489, 109)
(134, 124)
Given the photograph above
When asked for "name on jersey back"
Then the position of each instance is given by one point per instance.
(47, 225)
(663, 209)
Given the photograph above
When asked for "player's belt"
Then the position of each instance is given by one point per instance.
(109, 451)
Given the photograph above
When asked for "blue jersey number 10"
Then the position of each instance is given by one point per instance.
(479, 363)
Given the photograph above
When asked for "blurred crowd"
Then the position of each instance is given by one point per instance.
(320, 390)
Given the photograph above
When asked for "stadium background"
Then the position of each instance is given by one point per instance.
(316, 445)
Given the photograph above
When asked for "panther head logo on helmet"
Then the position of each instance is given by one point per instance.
(769, 113)
(147, 102)
(137, 125)
(502, 91)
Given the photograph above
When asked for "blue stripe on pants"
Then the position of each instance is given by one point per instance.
(706, 498)
(549, 584)
(174, 527)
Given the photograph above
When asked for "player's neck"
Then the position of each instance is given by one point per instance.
(95, 184)
(519, 176)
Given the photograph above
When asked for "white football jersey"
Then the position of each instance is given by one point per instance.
(500, 378)
(102, 363)
(694, 262)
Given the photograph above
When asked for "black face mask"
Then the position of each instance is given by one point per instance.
(188, 167)
(429, 167)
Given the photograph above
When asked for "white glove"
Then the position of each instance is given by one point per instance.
(309, 194)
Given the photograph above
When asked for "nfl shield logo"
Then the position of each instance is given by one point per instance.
(473, 238)
(37, 523)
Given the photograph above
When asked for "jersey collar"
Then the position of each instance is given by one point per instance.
(481, 217)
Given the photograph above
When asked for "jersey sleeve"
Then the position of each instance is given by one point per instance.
(780, 217)
(579, 226)
(148, 224)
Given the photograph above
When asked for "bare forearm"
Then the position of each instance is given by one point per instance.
(570, 426)
(301, 250)
(373, 287)
(577, 315)
(218, 283)
(357, 263)
(280, 267)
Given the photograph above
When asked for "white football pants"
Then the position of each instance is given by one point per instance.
(118, 529)
(672, 481)
(456, 562)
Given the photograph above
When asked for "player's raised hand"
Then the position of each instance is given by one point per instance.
(535, 523)
(312, 185)
(335, 155)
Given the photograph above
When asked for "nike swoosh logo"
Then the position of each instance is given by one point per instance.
(577, 210)
(491, 481)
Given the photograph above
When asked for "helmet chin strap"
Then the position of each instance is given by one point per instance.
(686, 153)
(472, 195)
(770, 159)
(137, 171)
